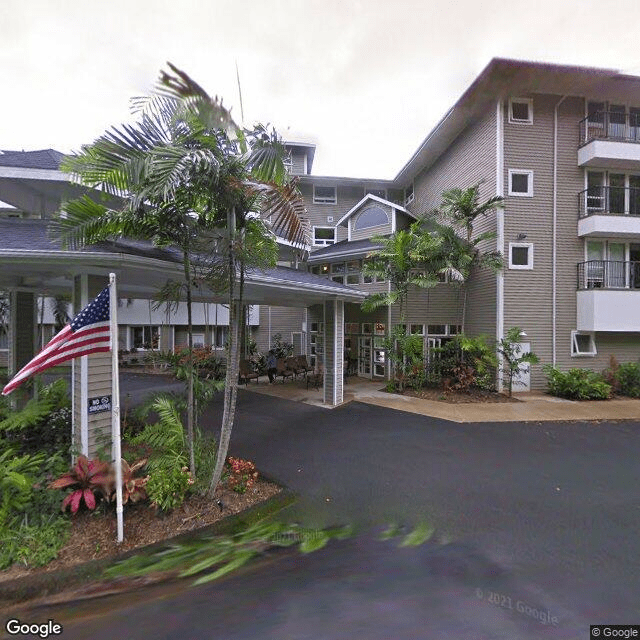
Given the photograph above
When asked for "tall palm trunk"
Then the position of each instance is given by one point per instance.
(233, 358)
(190, 412)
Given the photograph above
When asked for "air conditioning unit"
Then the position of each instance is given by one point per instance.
(329, 218)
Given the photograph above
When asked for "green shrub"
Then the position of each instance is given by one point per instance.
(33, 545)
(168, 486)
(576, 384)
(17, 477)
(627, 377)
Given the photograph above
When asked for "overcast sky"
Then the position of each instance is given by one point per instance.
(365, 80)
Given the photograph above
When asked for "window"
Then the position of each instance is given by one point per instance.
(287, 161)
(380, 193)
(198, 340)
(145, 337)
(520, 182)
(219, 336)
(324, 195)
(323, 236)
(380, 328)
(583, 344)
(352, 327)
(367, 327)
(437, 329)
(339, 279)
(337, 267)
(520, 255)
(521, 110)
(417, 329)
(353, 278)
(371, 217)
(4, 344)
(408, 194)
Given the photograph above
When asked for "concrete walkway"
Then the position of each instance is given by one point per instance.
(530, 407)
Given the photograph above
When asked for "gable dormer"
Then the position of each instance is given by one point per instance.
(374, 216)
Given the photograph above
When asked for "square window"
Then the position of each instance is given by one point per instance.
(337, 267)
(367, 327)
(323, 236)
(324, 195)
(417, 329)
(583, 344)
(353, 278)
(520, 182)
(521, 110)
(520, 255)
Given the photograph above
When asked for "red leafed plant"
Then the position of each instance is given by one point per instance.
(88, 478)
(242, 474)
(133, 488)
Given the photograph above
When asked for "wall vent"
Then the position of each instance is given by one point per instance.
(329, 218)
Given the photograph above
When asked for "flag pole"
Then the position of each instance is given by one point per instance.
(115, 402)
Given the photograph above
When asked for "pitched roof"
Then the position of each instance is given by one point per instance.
(40, 159)
(344, 248)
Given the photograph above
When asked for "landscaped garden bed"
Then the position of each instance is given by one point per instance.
(459, 397)
(92, 534)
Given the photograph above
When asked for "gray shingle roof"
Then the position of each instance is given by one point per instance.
(40, 159)
(343, 248)
(28, 234)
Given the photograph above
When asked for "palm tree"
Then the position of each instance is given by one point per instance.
(188, 176)
(462, 257)
(463, 207)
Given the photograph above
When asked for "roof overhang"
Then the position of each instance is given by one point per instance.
(502, 78)
(51, 272)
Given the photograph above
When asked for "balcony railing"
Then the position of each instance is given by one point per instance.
(609, 274)
(609, 201)
(610, 125)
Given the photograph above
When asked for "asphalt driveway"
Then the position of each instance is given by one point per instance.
(536, 532)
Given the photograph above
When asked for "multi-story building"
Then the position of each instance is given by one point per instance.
(561, 144)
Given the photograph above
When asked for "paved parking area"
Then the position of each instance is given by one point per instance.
(535, 532)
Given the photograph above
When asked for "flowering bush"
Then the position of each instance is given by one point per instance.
(242, 474)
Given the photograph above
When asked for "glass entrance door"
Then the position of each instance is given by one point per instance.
(364, 357)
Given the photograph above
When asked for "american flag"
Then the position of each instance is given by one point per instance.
(89, 332)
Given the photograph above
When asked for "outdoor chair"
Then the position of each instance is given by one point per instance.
(283, 370)
(293, 365)
(247, 373)
(303, 365)
(315, 378)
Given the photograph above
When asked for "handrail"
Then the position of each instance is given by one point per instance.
(609, 274)
(610, 125)
(609, 201)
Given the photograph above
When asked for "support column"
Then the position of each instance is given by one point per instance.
(22, 339)
(91, 379)
(333, 352)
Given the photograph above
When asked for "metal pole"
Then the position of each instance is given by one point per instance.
(115, 402)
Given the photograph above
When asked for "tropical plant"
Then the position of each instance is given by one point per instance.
(193, 179)
(280, 347)
(406, 357)
(167, 487)
(395, 260)
(16, 483)
(464, 255)
(133, 488)
(513, 357)
(576, 384)
(89, 481)
(627, 379)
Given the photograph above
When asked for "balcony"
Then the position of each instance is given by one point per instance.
(608, 297)
(609, 212)
(610, 140)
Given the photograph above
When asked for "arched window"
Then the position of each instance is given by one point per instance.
(371, 217)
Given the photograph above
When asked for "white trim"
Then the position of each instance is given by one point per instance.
(575, 352)
(84, 374)
(325, 199)
(521, 172)
(370, 196)
(322, 242)
(499, 228)
(409, 199)
(528, 245)
(529, 102)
